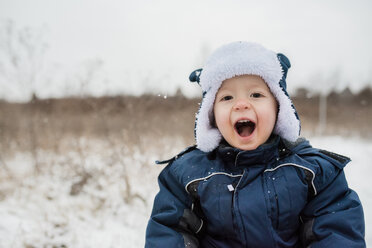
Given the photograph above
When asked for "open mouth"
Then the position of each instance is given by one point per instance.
(244, 127)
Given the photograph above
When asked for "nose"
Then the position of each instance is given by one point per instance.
(241, 105)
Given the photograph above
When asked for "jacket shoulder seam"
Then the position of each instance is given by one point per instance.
(299, 166)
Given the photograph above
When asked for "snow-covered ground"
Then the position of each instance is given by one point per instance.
(37, 209)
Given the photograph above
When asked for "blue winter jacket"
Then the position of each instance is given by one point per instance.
(279, 195)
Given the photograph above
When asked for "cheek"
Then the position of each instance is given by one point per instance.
(221, 116)
(269, 114)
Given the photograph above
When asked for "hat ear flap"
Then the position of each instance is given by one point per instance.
(285, 64)
(284, 61)
(195, 76)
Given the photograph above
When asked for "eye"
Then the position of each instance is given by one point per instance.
(226, 98)
(256, 95)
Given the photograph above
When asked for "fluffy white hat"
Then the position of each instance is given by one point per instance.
(235, 59)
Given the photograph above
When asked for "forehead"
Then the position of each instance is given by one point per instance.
(246, 81)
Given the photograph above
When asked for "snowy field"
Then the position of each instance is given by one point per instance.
(61, 205)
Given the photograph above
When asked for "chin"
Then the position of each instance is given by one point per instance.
(247, 147)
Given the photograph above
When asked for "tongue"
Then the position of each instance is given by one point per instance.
(245, 131)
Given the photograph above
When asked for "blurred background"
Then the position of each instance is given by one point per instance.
(93, 92)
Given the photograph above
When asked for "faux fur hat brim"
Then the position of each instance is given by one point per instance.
(235, 59)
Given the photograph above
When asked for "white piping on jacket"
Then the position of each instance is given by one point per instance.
(213, 174)
(201, 225)
(300, 166)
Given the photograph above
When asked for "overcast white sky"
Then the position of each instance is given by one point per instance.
(153, 45)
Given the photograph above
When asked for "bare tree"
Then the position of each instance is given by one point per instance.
(22, 53)
(89, 73)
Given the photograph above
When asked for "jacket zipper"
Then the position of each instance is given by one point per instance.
(235, 204)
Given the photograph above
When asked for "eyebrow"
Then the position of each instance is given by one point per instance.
(254, 87)
(221, 90)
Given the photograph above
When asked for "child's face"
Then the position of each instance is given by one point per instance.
(245, 111)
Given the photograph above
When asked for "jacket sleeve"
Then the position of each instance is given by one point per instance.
(334, 216)
(171, 218)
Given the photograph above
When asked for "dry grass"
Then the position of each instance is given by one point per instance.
(46, 124)
(347, 114)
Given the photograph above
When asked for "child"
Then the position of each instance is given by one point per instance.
(250, 181)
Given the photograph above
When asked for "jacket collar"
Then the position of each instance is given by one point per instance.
(263, 154)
